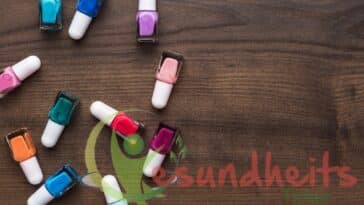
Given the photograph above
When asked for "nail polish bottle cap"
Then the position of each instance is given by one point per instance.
(32, 170)
(40, 197)
(51, 134)
(153, 163)
(112, 191)
(147, 5)
(103, 112)
(79, 25)
(26, 67)
(161, 94)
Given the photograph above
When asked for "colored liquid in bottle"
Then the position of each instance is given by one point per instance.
(50, 15)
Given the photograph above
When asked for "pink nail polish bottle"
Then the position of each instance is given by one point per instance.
(12, 76)
(166, 75)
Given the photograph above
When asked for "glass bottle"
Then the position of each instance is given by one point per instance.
(50, 15)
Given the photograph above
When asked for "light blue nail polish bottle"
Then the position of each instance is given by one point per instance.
(50, 14)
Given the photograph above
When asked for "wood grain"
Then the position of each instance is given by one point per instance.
(285, 76)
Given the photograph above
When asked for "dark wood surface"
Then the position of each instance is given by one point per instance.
(285, 76)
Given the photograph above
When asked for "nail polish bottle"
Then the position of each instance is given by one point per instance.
(12, 76)
(120, 122)
(160, 146)
(166, 77)
(50, 15)
(23, 151)
(147, 21)
(55, 186)
(59, 117)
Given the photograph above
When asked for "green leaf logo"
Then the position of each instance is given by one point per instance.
(129, 171)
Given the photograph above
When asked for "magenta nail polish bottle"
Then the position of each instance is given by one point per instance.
(160, 146)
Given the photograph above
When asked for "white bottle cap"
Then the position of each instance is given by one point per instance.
(79, 25)
(103, 112)
(112, 191)
(51, 133)
(40, 197)
(161, 94)
(32, 170)
(152, 163)
(26, 67)
(147, 5)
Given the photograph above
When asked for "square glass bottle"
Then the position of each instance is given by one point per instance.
(147, 21)
(50, 15)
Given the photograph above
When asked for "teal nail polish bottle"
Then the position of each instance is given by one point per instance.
(59, 117)
(50, 14)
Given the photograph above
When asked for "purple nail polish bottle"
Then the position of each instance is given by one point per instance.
(147, 21)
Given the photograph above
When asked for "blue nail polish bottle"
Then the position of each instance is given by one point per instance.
(55, 186)
(62, 181)
(86, 11)
(50, 14)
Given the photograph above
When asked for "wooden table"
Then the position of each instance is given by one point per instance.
(285, 77)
